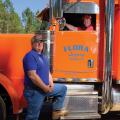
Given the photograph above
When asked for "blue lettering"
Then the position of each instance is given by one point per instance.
(65, 49)
(86, 49)
(76, 47)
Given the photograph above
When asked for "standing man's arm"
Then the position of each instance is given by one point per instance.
(37, 80)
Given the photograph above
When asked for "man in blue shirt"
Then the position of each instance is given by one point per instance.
(39, 83)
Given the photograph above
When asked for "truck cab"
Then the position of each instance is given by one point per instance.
(82, 59)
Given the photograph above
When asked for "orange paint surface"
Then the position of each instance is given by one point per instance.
(71, 53)
(12, 49)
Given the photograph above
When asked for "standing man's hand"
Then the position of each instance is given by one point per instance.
(51, 88)
(51, 84)
(46, 89)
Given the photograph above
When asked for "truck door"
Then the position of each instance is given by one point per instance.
(75, 53)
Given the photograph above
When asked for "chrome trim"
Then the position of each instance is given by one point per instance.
(45, 34)
(81, 7)
(78, 88)
(107, 85)
(77, 80)
(48, 37)
(56, 8)
(117, 81)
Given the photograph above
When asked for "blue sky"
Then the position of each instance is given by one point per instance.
(34, 5)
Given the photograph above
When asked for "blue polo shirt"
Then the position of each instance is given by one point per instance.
(38, 62)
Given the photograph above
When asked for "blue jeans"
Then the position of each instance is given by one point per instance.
(36, 98)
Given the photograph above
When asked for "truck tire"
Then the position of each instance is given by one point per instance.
(2, 109)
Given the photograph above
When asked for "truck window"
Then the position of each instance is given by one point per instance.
(78, 22)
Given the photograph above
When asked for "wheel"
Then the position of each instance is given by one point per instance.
(2, 109)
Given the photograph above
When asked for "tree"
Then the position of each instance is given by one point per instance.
(16, 25)
(9, 9)
(28, 20)
(9, 6)
(11, 20)
(2, 16)
(37, 22)
(44, 25)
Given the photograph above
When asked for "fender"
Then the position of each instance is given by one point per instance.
(7, 84)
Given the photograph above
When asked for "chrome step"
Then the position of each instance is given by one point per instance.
(81, 101)
(80, 88)
(80, 115)
(116, 99)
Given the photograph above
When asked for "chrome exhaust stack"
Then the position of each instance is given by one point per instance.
(56, 9)
(48, 37)
(107, 85)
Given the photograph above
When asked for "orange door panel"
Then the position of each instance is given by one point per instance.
(75, 54)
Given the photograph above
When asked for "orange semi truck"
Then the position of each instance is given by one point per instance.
(87, 62)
